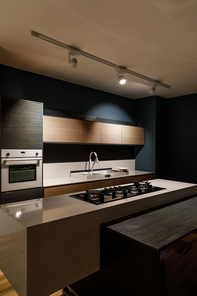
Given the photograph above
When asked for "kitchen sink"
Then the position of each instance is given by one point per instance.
(102, 174)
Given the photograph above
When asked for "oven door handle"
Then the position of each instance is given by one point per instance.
(22, 159)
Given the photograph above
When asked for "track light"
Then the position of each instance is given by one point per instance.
(73, 61)
(121, 78)
(153, 89)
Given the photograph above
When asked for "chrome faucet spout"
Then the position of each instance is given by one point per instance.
(90, 160)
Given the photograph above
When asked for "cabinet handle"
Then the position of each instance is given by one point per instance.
(22, 159)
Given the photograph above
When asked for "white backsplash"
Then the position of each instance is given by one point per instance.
(61, 170)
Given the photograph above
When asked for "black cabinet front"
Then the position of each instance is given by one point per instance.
(21, 124)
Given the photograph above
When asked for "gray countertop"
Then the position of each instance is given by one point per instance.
(74, 180)
(39, 211)
(45, 244)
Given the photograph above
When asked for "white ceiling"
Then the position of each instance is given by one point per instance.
(156, 38)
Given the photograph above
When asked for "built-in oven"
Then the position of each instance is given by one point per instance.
(20, 169)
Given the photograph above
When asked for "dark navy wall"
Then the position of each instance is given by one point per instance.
(63, 96)
(170, 125)
(151, 113)
(145, 112)
(160, 149)
(70, 98)
(181, 138)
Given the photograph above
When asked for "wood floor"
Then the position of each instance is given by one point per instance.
(181, 270)
(5, 287)
(7, 290)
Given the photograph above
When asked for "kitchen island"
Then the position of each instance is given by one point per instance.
(47, 244)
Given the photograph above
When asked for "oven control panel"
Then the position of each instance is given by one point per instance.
(7, 153)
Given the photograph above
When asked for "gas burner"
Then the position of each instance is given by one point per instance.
(94, 196)
(117, 192)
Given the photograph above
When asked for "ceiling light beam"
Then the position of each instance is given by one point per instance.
(95, 58)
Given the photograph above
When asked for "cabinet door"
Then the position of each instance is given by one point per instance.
(89, 132)
(98, 132)
(132, 135)
(110, 133)
(21, 124)
(62, 130)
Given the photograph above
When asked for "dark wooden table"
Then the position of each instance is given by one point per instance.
(133, 252)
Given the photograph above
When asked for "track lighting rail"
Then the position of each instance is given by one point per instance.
(95, 58)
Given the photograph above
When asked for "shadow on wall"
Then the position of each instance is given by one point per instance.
(138, 149)
(109, 111)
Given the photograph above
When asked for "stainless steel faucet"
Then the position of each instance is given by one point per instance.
(90, 160)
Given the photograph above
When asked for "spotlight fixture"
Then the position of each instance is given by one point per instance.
(153, 89)
(73, 61)
(121, 78)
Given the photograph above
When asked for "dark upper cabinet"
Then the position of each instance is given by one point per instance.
(21, 124)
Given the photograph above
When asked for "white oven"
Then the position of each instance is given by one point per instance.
(20, 169)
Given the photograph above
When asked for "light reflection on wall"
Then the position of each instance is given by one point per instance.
(109, 111)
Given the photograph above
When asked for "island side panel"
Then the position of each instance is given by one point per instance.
(127, 266)
(13, 251)
(61, 252)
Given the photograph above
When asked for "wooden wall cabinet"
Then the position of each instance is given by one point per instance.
(58, 129)
(66, 130)
(132, 135)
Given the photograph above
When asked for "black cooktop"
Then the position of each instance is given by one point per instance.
(116, 192)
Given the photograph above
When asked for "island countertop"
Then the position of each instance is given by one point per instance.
(40, 211)
(50, 243)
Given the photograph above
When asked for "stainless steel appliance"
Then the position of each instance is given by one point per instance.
(20, 169)
(116, 192)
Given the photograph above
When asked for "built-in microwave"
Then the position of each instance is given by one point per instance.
(20, 169)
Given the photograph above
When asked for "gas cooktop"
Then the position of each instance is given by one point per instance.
(108, 194)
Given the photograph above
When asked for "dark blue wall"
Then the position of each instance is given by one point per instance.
(170, 125)
(63, 96)
(70, 98)
(151, 113)
(181, 138)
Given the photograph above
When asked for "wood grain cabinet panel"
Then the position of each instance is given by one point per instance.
(110, 133)
(70, 188)
(66, 130)
(21, 124)
(89, 132)
(64, 189)
(132, 135)
(58, 129)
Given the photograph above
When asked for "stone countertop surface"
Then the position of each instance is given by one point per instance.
(39, 211)
(45, 244)
(72, 180)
